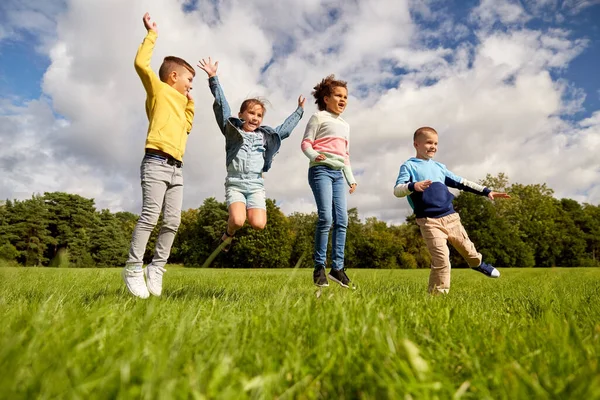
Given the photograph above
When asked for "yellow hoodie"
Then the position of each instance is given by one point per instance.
(169, 112)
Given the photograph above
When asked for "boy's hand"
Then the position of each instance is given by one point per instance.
(320, 157)
(352, 188)
(149, 24)
(209, 67)
(301, 101)
(498, 195)
(421, 186)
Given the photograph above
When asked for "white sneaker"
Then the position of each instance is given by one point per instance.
(154, 276)
(134, 280)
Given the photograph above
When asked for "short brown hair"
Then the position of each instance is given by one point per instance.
(325, 88)
(246, 104)
(170, 63)
(423, 130)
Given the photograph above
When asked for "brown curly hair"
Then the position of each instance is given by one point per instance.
(325, 88)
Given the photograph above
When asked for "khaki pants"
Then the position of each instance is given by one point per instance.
(437, 232)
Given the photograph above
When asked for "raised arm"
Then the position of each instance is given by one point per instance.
(284, 130)
(149, 78)
(220, 105)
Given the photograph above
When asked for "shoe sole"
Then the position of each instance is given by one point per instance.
(129, 288)
(149, 290)
(338, 282)
(322, 285)
(489, 276)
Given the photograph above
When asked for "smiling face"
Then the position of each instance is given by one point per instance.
(181, 80)
(252, 117)
(336, 102)
(426, 145)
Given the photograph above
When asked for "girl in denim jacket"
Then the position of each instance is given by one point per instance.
(250, 148)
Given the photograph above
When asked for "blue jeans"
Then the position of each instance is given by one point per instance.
(329, 188)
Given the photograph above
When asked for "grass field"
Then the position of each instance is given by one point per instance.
(264, 334)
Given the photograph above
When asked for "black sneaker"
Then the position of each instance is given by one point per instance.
(319, 277)
(339, 276)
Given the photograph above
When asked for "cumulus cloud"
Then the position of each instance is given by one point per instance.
(495, 100)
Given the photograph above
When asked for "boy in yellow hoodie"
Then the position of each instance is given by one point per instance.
(170, 111)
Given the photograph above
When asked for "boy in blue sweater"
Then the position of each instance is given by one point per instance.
(426, 183)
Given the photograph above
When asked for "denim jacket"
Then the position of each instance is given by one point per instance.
(233, 138)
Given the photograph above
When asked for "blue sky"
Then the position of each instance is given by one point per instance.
(22, 67)
(503, 81)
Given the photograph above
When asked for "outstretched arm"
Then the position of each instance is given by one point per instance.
(284, 130)
(457, 182)
(149, 79)
(220, 105)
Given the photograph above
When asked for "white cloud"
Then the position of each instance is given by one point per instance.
(495, 103)
(506, 12)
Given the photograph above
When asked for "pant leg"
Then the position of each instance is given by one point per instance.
(435, 236)
(321, 184)
(340, 220)
(458, 237)
(155, 178)
(173, 201)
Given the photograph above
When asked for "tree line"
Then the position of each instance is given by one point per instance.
(532, 229)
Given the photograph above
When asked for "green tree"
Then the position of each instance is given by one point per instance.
(109, 243)
(72, 219)
(28, 232)
(302, 239)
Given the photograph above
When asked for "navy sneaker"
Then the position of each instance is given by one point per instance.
(488, 270)
(319, 277)
(339, 276)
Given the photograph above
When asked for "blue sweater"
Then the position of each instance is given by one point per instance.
(436, 200)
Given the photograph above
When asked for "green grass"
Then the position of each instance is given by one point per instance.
(264, 334)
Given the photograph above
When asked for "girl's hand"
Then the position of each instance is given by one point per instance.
(352, 188)
(301, 101)
(320, 157)
(209, 67)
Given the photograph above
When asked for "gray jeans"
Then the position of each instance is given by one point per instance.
(162, 188)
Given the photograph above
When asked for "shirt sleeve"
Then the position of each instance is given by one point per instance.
(347, 167)
(150, 80)
(220, 105)
(189, 115)
(404, 183)
(284, 130)
(309, 138)
(456, 182)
